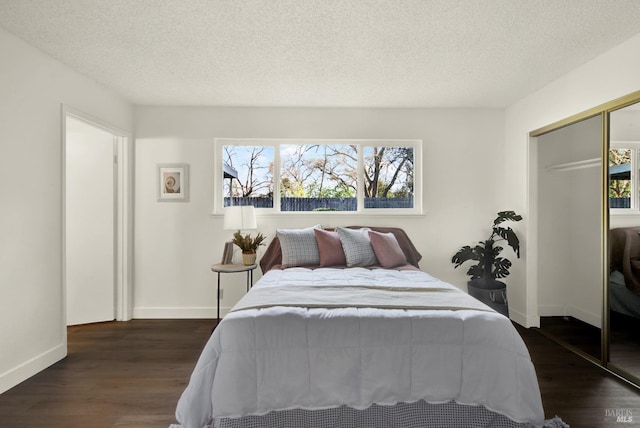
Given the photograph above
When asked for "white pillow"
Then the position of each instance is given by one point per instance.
(357, 247)
(299, 247)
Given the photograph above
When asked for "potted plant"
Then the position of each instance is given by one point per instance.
(248, 246)
(489, 265)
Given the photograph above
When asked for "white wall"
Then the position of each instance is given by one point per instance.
(32, 88)
(607, 77)
(177, 242)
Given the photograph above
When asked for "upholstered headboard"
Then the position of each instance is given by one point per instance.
(272, 257)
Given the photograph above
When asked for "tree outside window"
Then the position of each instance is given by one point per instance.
(254, 182)
(388, 175)
(318, 177)
(620, 178)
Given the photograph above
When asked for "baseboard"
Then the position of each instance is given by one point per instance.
(552, 310)
(34, 366)
(178, 313)
(518, 317)
(588, 317)
(570, 311)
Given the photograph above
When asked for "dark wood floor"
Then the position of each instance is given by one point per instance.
(625, 342)
(624, 338)
(119, 374)
(575, 333)
(132, 374)
(582, 394)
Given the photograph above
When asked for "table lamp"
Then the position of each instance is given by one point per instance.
(240, 218)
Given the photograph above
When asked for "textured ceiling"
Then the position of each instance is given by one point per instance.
(336, 53)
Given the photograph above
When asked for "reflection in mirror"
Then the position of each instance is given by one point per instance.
(620, 157)
(570, 235)
(624, 240)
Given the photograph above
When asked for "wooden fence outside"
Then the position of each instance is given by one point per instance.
(320, 204)
(619, 202)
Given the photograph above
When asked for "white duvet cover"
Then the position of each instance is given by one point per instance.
(287, 357)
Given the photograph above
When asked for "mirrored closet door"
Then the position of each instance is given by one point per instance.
(624, 241)
(586, 222)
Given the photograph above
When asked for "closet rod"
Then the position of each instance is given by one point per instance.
(570, 166)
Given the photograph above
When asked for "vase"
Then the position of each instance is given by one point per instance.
(248, 259)
(492, 293)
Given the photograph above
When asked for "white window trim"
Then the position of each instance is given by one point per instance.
(635, 185)
(416, 144)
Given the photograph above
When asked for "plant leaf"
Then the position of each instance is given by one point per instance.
(510, 236)
(506, 215)
(496, 251)
(501, 267)
(246, 243)
(476, 272)
(464, 254)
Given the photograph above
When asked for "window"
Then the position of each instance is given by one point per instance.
(319, 175)
(624, 188)
(248, 175)
(388, 176)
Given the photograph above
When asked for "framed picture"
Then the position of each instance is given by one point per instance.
(173, 182)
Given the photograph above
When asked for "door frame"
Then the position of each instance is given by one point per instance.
(123, 216)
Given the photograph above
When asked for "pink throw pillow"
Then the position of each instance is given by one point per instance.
(387, 249)
(330, 248)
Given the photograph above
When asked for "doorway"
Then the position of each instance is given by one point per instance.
(95, 225)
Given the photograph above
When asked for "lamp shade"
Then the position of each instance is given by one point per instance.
(240, 218)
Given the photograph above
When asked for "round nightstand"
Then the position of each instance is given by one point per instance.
(233, 268)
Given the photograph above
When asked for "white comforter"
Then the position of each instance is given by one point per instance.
(278, 358)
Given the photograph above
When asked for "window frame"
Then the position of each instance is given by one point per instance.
(634, 146)
(416, 144)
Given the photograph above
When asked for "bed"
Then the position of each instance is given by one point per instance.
(382, 345)
(624, 271)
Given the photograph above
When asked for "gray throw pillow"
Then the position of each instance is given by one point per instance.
(357, 247)
(299, 247)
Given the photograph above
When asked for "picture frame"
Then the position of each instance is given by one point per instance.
(173, 182)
